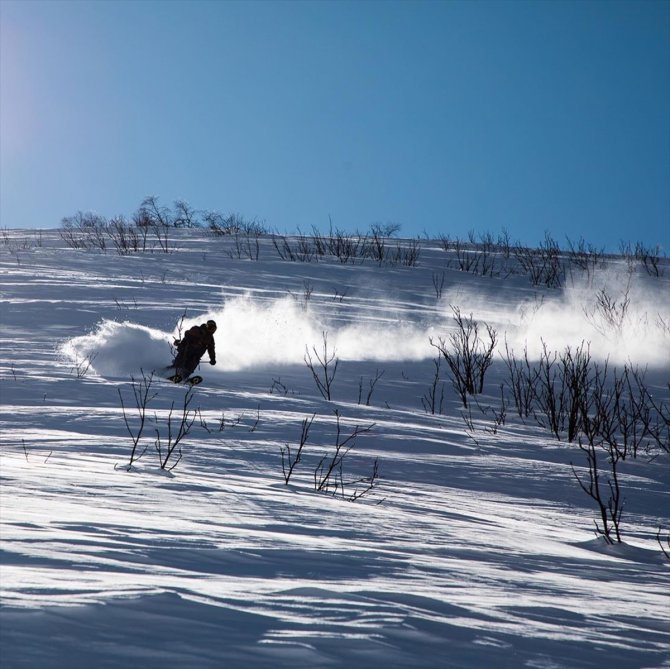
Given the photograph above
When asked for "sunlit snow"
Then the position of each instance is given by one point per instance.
(476, 548)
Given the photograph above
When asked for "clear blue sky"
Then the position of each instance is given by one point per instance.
(439, 116)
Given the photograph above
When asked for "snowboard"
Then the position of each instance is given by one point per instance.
(191, 380)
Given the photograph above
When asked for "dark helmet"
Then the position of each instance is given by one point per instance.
(211, 327)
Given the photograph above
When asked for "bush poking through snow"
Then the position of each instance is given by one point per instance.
(289, 461)
(543, 264)
(176, 429)
(610, 315)
(647, 257)
(89, 231)
(438, 284)
(142, 396)
(371, 387)
(329, 473)
(559, 387)
(324, 368)
(469, 356)
(610, 413)
(433, 400)
(608, 499)
(521, 381)
(585, 256)
(569, 394)
(184, 423)
(82, 365)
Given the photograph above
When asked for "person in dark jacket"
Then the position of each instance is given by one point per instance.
(191, 347)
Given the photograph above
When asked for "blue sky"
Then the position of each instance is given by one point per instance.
(442, 117)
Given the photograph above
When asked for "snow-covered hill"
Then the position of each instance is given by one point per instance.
(476, 546)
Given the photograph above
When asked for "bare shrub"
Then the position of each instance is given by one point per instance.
(598, 434)
(610, 314)
(185, 215)
(650, 258)
(323, 367)
(141, 389)
(561, 384)
(609, 412)
(151, 216)
(651, 413)
(167, 447)
(289, 460)
(407, 253)
(504, 243)
(346, 248)
(125, 237)
(284, 248)
(246, 244)
(576, 384)
(647, 257)
(433, 399)
(329, 473)
(303, 249)
(585, 256)
(156, 214)
(438, 284)
(82, 366)
(84, 230)
(320, 243)
(475, 257)
(307, 292)
(569, 395)
(376, 246)
(143, 225)
(220, 225)
(608, 498)
(183, 423)
(521, 381)
(549, 393)
(543, 264)
(500, 415)
(467, 258)
(446, 242)
(371, 387)
(162, 234)
(279, 387)
(467, 354)
(366, 483)
(306, 249)
(385, 229)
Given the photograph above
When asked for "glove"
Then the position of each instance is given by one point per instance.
(212, 362)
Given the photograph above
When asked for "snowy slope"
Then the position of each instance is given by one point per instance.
(475, 549)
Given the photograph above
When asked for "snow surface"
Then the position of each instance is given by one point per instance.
(477, 549)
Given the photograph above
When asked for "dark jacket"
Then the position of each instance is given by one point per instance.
(196, 341)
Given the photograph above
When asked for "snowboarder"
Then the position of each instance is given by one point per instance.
(190, 348)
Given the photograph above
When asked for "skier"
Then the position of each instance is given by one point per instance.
(190, 348)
